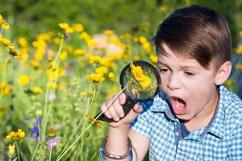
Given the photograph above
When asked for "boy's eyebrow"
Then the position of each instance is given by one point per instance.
(181, 67)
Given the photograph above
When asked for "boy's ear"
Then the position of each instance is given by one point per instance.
(223, 73)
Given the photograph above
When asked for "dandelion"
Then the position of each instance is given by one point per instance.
(10, 46)
(5, 88)
(111, 76)
(77, 27)
(65, 27)
(101, 70)
(23, 80)
(52, 85)
(153, 58)
(11, 149)
(95, 77)
(16, 136)
(22, 42)
(95, 122)
(3, 23)
(79, 52)
(37, 90)
(138, 74)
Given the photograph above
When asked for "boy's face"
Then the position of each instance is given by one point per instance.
(190, 88)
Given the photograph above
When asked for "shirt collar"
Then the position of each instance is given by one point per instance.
(217, 126)
(161, 104)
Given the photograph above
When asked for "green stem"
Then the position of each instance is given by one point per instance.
(17, 149)
(45, 111)
(50, 153)
(83, 130)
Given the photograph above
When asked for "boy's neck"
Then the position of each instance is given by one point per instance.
(203, 118)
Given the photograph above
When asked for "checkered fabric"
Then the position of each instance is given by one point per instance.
(220, 141)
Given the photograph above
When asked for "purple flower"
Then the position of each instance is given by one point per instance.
(53, 142)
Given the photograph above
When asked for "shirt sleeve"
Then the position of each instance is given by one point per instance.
(142, 123)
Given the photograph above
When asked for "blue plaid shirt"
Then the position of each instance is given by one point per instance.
(221, 140)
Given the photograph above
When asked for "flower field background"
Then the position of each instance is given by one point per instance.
(51, 87)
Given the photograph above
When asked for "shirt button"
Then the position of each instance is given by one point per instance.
(177, 133)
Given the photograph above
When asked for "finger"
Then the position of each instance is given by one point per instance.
(122, 98)
(136, 110)
(113, 113)
(104, 109)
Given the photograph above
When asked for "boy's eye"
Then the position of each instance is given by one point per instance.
(189, 73)
(162, 70)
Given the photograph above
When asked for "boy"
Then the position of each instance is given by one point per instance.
(193, 117)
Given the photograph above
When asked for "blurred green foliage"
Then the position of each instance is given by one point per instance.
(30, 17)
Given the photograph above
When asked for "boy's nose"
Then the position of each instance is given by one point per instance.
(174, 82)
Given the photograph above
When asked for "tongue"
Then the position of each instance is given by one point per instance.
(178, 106)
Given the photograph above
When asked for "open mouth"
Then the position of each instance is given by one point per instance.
(178, 105)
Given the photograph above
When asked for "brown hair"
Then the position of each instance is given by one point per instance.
(197, 32)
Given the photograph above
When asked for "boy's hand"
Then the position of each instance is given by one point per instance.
(115, 111)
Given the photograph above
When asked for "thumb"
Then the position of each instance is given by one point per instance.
(134, 112)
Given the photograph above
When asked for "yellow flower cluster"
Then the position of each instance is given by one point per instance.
(5, 88)
(16, 136)
(3, 23)
(10, 46)
(138, 74)
(65, 27)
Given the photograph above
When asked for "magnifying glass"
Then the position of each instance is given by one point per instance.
(139, 81)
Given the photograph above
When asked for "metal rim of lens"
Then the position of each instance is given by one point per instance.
(140, 63)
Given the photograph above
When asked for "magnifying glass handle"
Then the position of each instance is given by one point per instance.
(129, 104)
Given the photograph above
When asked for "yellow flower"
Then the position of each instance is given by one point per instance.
(153, 58)
(78, 27)
(23, 80)
(22, 42)
(35, 64)
(16, 136)
(20, 134)
(95, 77)
(65, 27)
(63, 55)
(79, 52)
(5, 88)
(95, 122)
(111, 76)
(101, 70)
(52, 85)
(37, 90)
(10, 46)
(238, 67)
(11, 149)
(108, 32)
(138, 74)
(239, 50)
(51, 132)
(147, 47)
(3, 23)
